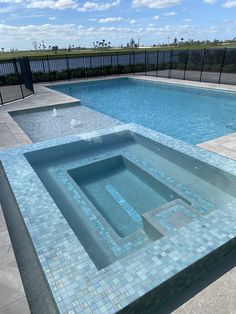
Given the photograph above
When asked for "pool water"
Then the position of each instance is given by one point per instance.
(190, 114)
(119, 190)
(40, 124)
(123, 191)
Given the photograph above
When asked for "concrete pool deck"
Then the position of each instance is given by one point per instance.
(219, 297)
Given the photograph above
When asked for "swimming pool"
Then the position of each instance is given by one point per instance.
(194, 115)
(108, 187)
(173, 215)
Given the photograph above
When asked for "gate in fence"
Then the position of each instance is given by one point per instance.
(15, 80)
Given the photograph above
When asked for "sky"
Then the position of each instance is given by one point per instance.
(80, 23)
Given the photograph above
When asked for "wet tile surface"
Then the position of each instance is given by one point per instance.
(73, 278)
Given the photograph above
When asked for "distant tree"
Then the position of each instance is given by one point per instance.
(132, 43)
(35, 45)
(2, 50)
(43, 45)
(216, 42)
(55, 48)
(101, 44)
(175, 41)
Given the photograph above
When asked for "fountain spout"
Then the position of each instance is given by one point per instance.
(54, 114)
(74, 123)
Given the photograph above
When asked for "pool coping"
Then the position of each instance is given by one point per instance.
(105, 289)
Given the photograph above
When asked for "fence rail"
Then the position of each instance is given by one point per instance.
(206, 65)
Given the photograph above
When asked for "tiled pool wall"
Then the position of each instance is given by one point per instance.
(145, 277)
(182, 280)
(171, 206)
(38, 292)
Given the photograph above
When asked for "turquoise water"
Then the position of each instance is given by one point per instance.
(126, 191)
(105, 184)
(191, 114)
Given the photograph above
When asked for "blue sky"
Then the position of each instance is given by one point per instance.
(79, 22)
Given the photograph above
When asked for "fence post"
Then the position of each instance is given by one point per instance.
(85, 66)
(49, 70)
(117, 61)
(1, 99)
(18, 76)
(29, 72)
(203, 61)
(111, 71)
(145, 62)
(170, 63)
(222, 65)
(102, 64)
(68, 67)
(186, 63)
(134, 62)
(130, 62)
(43, 66)
(157, 62)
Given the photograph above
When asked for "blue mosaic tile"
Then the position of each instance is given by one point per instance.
(75, 282)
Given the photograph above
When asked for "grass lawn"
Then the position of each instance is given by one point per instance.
(74, 52)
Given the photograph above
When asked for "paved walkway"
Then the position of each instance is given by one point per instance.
(225, 145)
(218, 297)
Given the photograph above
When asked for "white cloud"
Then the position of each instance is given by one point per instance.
(229, 4)
(156, 17)
(65, 34)
(187, 20)
(155, 4)
(52, 4)
(96, 6)
(52, 18)
(170, 14)
(132, 21)
(7, 9)
(210, 1)
(10, 1)
(110, 20)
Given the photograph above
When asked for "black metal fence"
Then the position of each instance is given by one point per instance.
(205, 65)
(15, 80)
